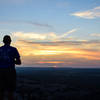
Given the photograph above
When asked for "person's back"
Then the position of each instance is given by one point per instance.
(9, 56)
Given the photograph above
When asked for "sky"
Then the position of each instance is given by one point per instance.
(53, 33)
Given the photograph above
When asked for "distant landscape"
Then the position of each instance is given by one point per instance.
(57, 83)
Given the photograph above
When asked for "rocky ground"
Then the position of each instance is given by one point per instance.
(53, 84)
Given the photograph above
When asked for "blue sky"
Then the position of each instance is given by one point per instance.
(51, 20)
(15, 14)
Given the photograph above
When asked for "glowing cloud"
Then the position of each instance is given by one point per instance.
(51, 62)
(89, 14)
(29, 36)
(69, 53)
(67, 33)
(43, 36)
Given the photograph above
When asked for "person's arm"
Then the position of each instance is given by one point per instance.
(18, 61)
(17, 57)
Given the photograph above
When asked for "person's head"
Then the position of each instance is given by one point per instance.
(7, 39)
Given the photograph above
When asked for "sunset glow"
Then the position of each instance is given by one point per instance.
(53, 33)
(56, 52)
(48, 54)
(53, 62)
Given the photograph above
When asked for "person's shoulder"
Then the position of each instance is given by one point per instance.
(1, 47)
(14, 48)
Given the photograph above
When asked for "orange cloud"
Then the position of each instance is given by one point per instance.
(52, 62)
(59, 53)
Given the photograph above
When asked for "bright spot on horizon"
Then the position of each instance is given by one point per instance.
(56, 52)
(55, 66)
(50, 62)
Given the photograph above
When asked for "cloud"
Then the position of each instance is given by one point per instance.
(62, 53)
(89, 14)
(51, 36)
(51, 49)
(39, 24)
(92, 45)
(96, 34)
(17, 22)
(69, 32)
(29, 36)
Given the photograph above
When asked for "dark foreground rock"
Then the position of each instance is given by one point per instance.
(69, 84)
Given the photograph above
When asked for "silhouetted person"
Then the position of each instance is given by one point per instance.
(9, 56)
